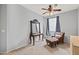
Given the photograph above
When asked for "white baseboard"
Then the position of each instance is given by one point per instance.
(16, 48)
(9, 50)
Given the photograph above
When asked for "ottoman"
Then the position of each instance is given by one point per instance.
(52, 41)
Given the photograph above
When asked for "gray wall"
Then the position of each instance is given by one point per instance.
(68, 23)
(18, 26)
(78, 22)
(78, 26)
(15, 26)
(3, 41)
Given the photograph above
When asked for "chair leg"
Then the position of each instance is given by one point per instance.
(55, 43)
(39, 37)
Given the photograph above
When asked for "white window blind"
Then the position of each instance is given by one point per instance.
(52, 24)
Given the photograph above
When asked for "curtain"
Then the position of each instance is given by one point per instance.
(58, 29)
(47, 28)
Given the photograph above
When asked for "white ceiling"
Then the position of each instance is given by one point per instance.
(37, 7)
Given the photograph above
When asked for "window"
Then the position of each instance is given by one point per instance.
(52, 25)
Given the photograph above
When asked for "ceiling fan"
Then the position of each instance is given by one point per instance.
(51, 9)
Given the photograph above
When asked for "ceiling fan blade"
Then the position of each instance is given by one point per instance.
(44, 9)
(45, 13)
(56, 9)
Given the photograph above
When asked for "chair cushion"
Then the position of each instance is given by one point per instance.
(58, 34)
(52, 39)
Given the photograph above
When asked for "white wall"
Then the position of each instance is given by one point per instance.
(68, 23)
(3, 20)
(18, 27)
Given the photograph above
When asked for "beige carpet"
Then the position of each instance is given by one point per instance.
(40, 48)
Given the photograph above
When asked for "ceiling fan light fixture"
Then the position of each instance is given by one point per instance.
(55, 5)
(51, 9)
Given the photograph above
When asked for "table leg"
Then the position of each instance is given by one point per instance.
(33, 40)
(30, 40)
(42, 37)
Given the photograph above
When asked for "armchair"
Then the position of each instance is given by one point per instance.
(60, 36)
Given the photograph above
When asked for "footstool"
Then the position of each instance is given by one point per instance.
(52, 41)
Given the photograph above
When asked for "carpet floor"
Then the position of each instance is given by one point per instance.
(41, 48)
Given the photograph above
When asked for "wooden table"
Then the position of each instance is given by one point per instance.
(74, 45)
(52, 41)
(34, 35)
